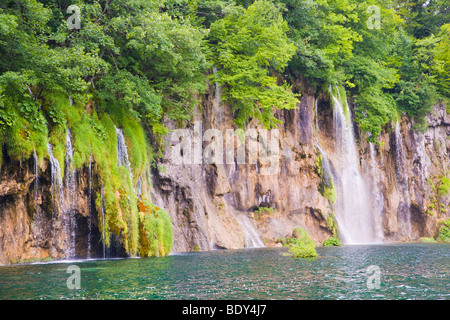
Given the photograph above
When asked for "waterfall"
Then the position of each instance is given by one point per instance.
(56, 179)
(218, 89)
(352, 208)
(252, 240)
(90, 209)
(36, 174)
(377, 194)
(70, 195)
(122, 153)
(102, 207)
(316, 114)
(404, 209)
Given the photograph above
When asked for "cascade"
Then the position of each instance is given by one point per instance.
(352, 208)
(56, 188)
(102, 206)
(122, 153)
(377, 194)
(36, 174)
(90, 209)
(404, 209)
(70, 225)
(316, 114)
(252, 240)
(56, 179)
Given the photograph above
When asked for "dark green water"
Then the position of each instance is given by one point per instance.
(409, 271)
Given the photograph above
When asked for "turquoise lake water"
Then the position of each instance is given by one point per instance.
(406, 271)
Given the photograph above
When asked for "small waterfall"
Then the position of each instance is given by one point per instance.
(316, 114)
(377, 194)
(122, 153)
(36, 174)
(404, 210)
(218, 89)
(252, 240)
(102, 206)
(90, 209)
(352, 209)
(57, 182)
(70, 195)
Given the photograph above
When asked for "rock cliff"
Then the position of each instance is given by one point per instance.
(237, 204)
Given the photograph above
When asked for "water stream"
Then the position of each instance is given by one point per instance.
(404, 209)
(252, 239)
(352, 209)
(70, 195)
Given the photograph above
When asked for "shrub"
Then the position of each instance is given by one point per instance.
(302, 246)
(332, 241)
(264, 210)
(444, 187)
(444, 234)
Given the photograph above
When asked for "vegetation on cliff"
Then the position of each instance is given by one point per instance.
(130, 64)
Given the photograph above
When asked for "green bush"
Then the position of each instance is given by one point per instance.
(444, 234)
(444, 187)
(302, 246)
(332, 241)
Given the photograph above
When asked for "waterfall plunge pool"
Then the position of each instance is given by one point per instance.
(406, 271)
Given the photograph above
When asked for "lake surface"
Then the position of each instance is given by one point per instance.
(406, 271)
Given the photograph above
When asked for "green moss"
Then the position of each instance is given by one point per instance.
(155, 227)
(25, 128)
(302, 246)
(427, 240)
(444, 186)
(326, 186)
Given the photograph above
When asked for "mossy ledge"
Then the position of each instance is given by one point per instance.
(93, 129)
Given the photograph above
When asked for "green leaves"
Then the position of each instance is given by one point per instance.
(247, 46)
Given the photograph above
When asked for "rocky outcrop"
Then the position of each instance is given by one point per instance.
(208, 202)
(32, 226)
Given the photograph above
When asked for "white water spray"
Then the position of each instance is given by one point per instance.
(352, 209)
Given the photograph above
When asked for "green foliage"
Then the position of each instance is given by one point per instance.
(332, 241)
(156, 233)
(260, 211)
(248, 46)
(427, 240)
(326, 186)
(302, 246)
(444, 186)
(444, 235)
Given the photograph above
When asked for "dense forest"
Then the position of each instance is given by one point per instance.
(94, 66)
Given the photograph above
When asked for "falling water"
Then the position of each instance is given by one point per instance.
(316, 114)
(252, 240)
(56, 188)
(102, 207)
(404, 210)
(122, 153)
(70, 195)
(353, 212)
(218, 89)
(36, 174)
(377, 194)
(57, 183)
(90, 209)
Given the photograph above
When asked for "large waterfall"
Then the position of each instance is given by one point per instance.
(353, 211)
